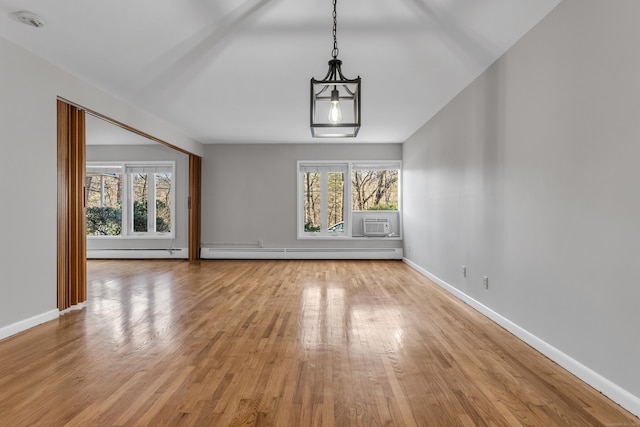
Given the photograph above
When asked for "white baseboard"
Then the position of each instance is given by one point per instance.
(614, 392)
(79, 306)
(25, 324)
(301, 253)
(177, 253)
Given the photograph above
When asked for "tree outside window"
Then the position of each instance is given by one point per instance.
(147, 192)
(374, 189)
(104, 201)
(323, 198)
(311, 187)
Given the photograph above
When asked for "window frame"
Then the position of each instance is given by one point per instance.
(324, 167)
(100, 169)
(348, 213)
(128, 169)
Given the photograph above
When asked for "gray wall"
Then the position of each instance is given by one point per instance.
(29, 87)
(530, 176)
(143, 153)
(249, 191)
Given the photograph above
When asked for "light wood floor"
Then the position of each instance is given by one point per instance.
(291, 343)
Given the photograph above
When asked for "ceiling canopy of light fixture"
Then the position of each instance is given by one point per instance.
(28, 18)
(335, 100)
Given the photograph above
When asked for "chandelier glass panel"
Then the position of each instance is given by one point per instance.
(335, 100)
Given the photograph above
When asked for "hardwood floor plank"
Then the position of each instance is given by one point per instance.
(282, 343)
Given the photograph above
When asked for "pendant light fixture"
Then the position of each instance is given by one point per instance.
(335, 100)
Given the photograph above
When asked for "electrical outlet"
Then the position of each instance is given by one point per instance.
(485, 282)
(260, 244)
(464, 271)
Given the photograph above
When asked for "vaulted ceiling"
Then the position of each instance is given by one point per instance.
(226, 71)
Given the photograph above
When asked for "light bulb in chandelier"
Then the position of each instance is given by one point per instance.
(335, 114)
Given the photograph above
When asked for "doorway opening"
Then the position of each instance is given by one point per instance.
(72, 199)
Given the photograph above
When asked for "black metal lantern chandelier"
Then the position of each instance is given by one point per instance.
(335, 100)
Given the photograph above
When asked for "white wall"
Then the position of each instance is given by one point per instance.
(530, 176)
(29, 87)
(155, 152)
(249, 191)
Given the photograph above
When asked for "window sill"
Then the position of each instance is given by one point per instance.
(134, 237)
(376, 238)
(325, 237)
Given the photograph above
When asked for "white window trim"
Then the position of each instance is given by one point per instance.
(127, 219)
(348, 212)
(324, 166)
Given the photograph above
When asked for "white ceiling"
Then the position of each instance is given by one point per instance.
(226, 71)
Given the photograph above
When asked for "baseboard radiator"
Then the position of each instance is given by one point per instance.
(301, 253)
(176, 253)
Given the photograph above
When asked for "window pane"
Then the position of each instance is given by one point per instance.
(335, 201)
(375, 189)
(104, 204)
(311, 194)
(140, 200)
(163, 202)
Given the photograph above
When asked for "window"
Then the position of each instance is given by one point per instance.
(333, 197)
(104, 200)
(322, 193)
(130, 199)
(149, 198)
(375, 186)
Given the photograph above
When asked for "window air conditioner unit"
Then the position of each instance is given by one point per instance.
(376, 226)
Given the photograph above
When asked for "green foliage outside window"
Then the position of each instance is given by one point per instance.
(390, 207)
(139, 216)
(104, 221)
(163, 217)
(310, 228)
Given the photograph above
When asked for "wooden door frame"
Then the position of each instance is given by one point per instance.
(195, 206)
(71, 238)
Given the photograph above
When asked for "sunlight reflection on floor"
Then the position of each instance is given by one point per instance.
(137, 314)
(328, 321)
